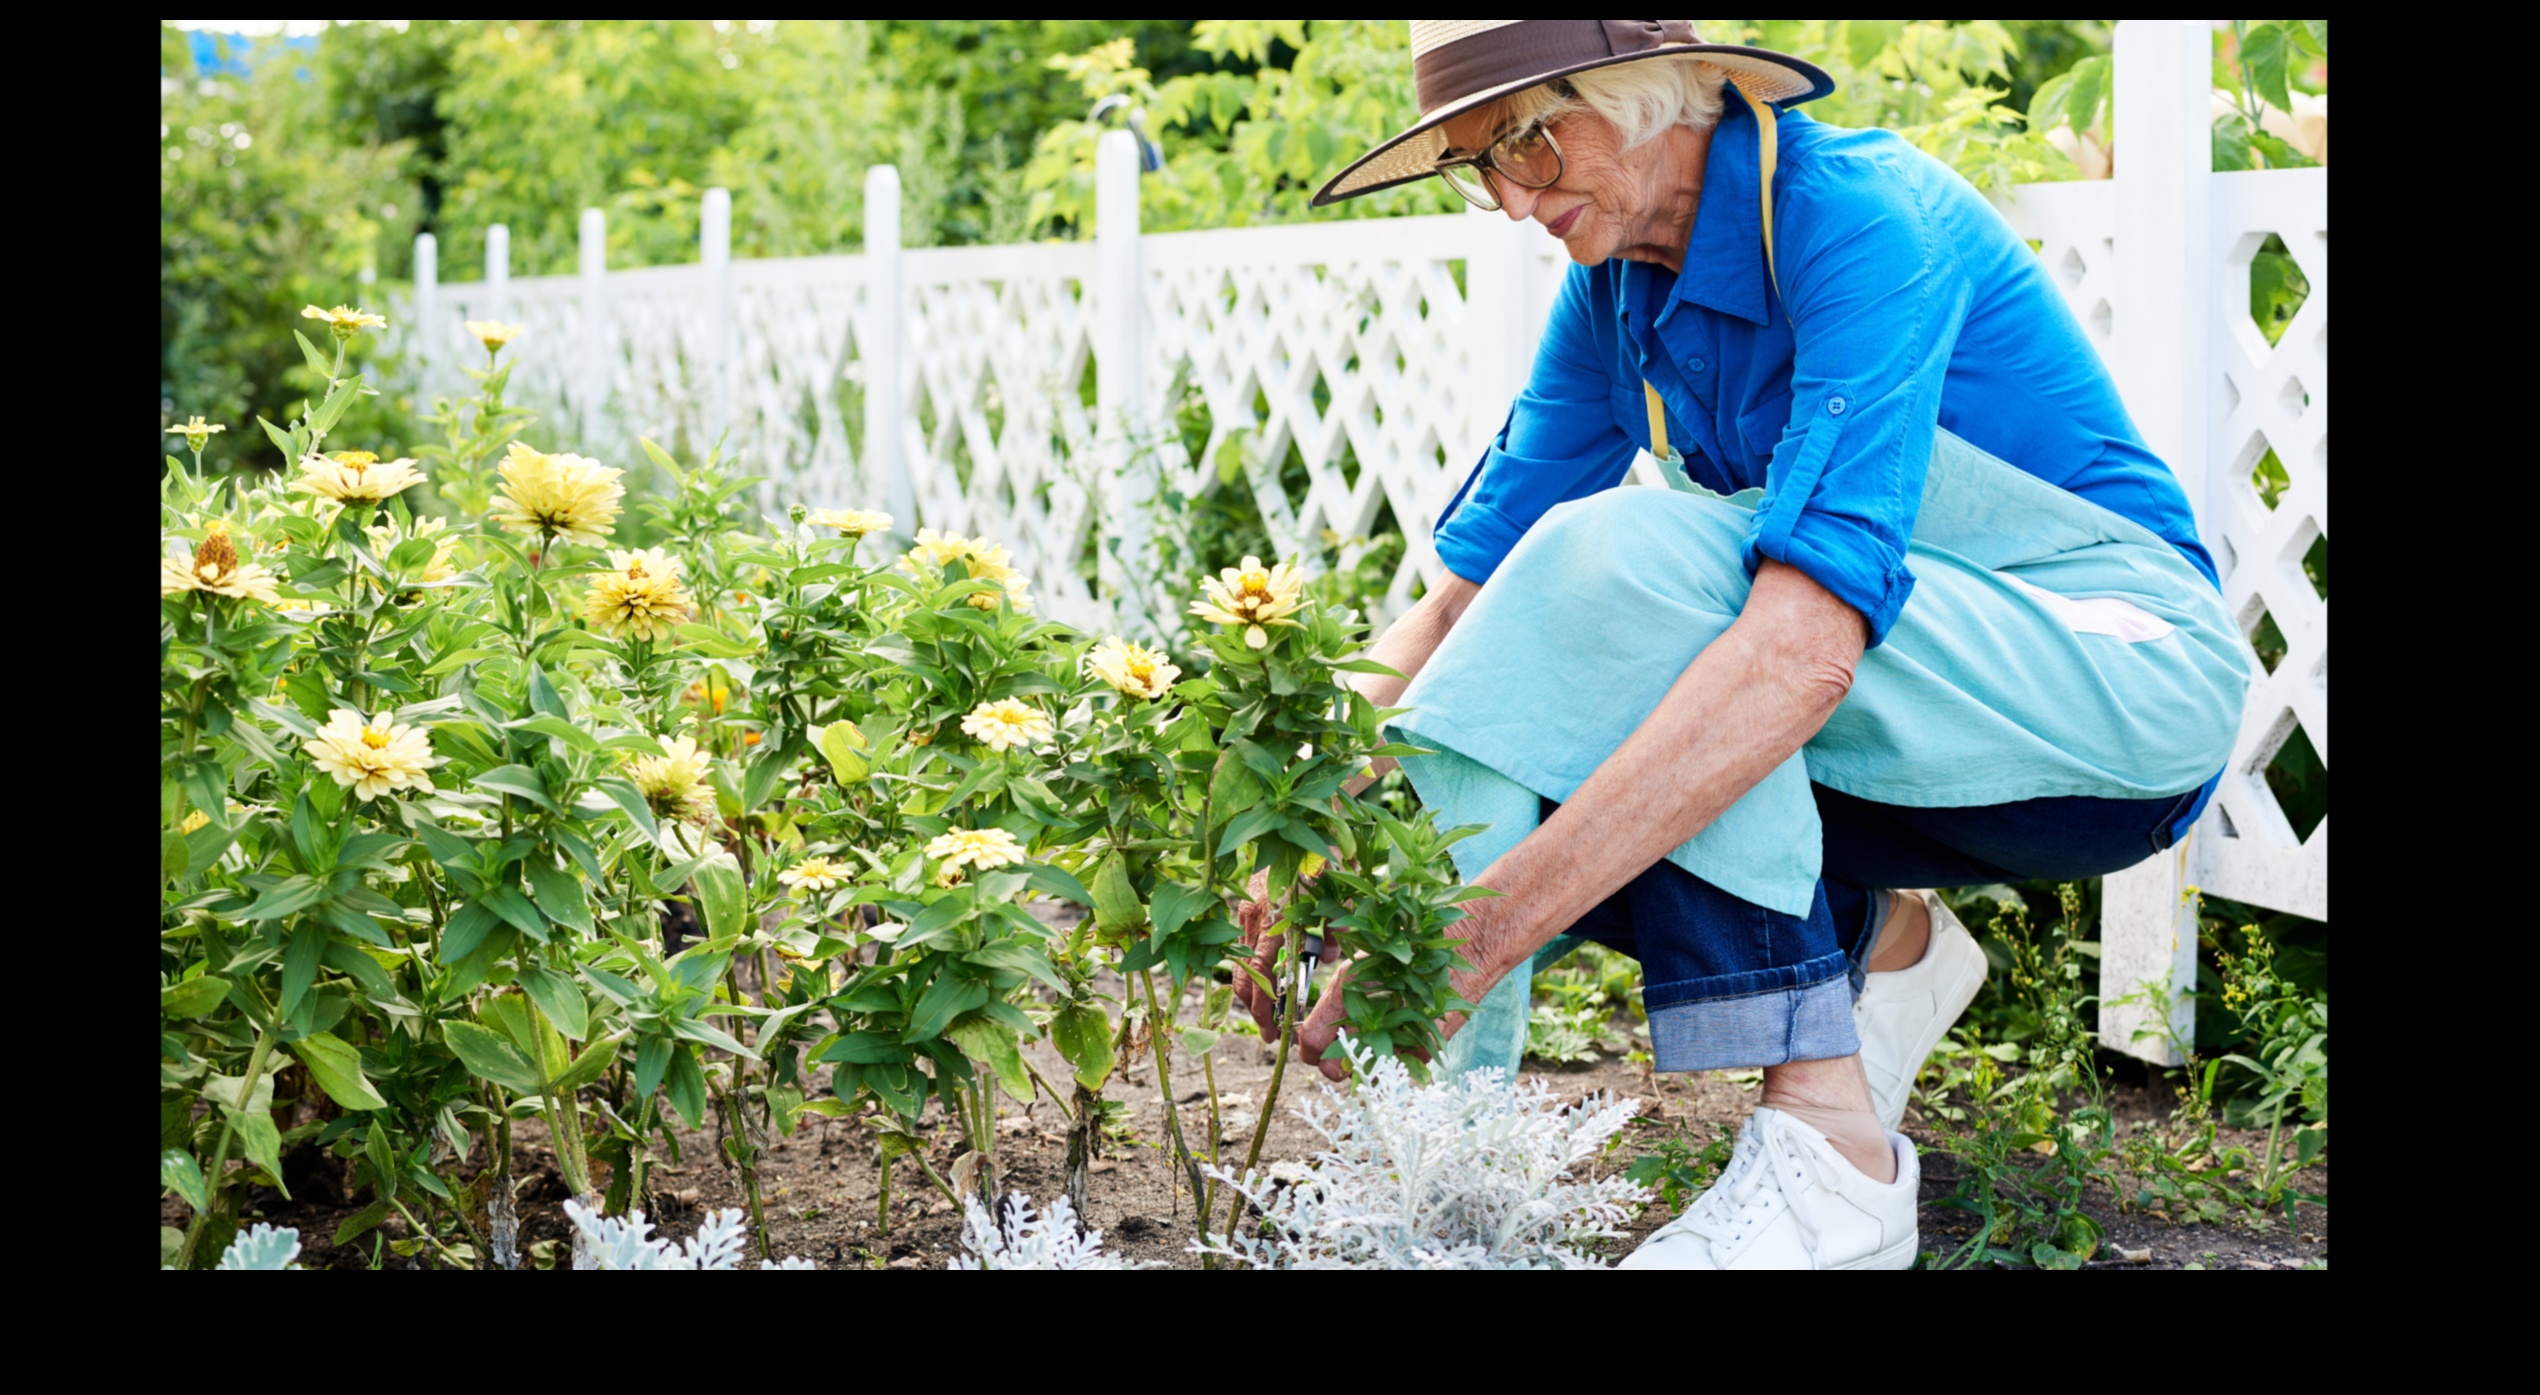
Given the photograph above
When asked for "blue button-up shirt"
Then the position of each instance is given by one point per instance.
(1911, 305)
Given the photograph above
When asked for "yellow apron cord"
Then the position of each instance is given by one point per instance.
(1768, 149)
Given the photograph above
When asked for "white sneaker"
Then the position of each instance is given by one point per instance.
(1788, 1200)
(1903, 1014)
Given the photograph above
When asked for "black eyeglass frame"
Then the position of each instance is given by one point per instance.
(1490, 173)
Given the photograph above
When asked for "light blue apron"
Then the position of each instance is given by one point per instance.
(2050, 647)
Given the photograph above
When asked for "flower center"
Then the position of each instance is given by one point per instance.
(1256, 583)
(375, 738)
(635, 570)
(1140, 666)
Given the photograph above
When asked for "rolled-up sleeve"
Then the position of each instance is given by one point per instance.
(1560, 442)
(1875, 305)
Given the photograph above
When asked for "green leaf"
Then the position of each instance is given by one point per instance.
(174, 855)
(300, 963)
(1054, 882)
(562, 730)
(191, 998)
(1021, 958)
(557, 999)
(468, 927)
(2267, 54)
(844, 747)
(489, 1057)
(1082, 1035)
(990, 1043)
(626, 797)
(363, 1222)
(1175, 904)
(337, 1068)
(593, 1063)
(722, 899)
(319, 363)
(948, 997)
(291, 894)
(560, 896)
(263, 1142)
(652, 1058)
(543, 697)
(516, 909)
(1116, 905)
(764, 773)
(178, 1172)
(686, 1086)
(519, 780)
(707, 1034)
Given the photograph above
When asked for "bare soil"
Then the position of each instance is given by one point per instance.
(819, 1185)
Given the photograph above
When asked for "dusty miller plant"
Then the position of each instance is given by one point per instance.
(1024, 1239)
(1468, 1173)
(627, 1242)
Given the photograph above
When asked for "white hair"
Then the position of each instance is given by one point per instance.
(1641, 99)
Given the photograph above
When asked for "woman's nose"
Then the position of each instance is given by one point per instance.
(1518, 202)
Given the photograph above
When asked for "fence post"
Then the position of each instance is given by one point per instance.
(714, 255)
(597, 340)
(427, 307)
(1124, 542)
(2164, 308)
(498, 271)
(1499, 335)
(885, 403)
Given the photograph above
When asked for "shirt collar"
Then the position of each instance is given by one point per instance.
(1724, 254)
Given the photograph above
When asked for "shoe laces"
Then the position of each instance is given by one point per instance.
(1737, 1206)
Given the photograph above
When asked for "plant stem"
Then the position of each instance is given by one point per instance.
(1160, 1036)
(882, 1211)
(220, 1149)
(1052, 1091)
(1278, 1070)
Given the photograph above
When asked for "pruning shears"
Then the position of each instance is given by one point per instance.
(1312, 954)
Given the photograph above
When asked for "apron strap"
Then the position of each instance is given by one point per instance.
(1768, 149)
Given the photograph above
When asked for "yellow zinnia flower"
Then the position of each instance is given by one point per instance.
(983, 561)
(643, 597)
(570, 496)
(674, 782)
(193, 821)
(215, 568)
(344, 320)
(1007, 723)
(197, 432)
(384, 540)
(355, 476)
(983, 848)
(493, 334)
(813, 874)
(1252, 597)
(372, 757)
(1131, 668)
(855, 523)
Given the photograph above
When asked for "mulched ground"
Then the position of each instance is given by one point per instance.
(819, 1185)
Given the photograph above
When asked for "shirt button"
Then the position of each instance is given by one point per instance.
(1834, 406)
(1696, 365)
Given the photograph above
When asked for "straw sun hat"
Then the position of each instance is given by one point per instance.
(1460, 64)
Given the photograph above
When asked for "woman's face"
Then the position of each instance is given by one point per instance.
(1609, 202)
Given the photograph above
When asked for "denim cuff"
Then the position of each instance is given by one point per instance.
(1807, 1023)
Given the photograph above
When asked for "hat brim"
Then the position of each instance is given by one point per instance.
(1762, 73)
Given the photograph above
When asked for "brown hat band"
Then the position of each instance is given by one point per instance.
(1515, 52)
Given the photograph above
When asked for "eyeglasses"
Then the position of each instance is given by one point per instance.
(1527, 157)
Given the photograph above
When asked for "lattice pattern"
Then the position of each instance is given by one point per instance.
(800, 394)
(999, 441)
(2271, 397)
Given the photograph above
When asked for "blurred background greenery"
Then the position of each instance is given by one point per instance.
(298, 168)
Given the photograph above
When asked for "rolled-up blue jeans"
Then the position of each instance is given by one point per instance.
(1728, 983)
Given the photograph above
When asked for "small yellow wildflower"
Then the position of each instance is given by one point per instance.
(374, 758)
(493, 334)
(813, 874)
(983, 848)
(641, 597)
(1007, 723)
(384, 540)
(355, 476)
(197, 432)
(983, 561)
(674, 782)
(215, 568)
(1252, 597)
(1131, 668)
(193, 821)
(344, 320)
(570, 496)
(855, 523)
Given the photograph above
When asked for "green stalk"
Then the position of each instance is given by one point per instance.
(220, 1150)
(1278, 1070)
(1160, 1029)
(883, 1207)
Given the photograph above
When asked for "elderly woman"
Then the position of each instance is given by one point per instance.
(1918, 609)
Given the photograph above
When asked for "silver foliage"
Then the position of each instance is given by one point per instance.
(1027, 1240)
(627, 1242)
(262, 1247)
(1469, 1173)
